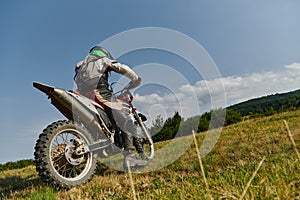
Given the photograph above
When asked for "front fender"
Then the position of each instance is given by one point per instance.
(142, 116)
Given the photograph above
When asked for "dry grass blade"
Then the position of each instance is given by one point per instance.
(131, 181)
(201, 166)
(292, 139)
(253, 175)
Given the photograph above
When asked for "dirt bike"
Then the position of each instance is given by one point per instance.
(67, 151)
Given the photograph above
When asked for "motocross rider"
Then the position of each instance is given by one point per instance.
(106, 63)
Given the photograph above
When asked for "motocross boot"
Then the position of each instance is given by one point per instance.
(138, 144)
(130, 160)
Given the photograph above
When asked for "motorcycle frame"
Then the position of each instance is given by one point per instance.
(75, 106)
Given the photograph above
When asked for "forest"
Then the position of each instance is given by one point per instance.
(269, 105)
(16, 165)
(176, 126)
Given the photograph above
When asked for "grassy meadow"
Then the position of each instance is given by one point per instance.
(228, 168)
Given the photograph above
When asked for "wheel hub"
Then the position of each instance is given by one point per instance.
(71, 154)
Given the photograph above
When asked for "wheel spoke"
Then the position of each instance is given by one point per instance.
(65, 138)
(73, 172)
(58, 158)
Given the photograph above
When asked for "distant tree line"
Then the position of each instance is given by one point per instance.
(16, 165)
(269, 105)
(176, 126)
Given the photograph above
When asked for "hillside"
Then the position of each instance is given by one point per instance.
(228, 167)
(270, 104)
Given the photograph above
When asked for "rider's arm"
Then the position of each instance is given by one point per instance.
(124, 70)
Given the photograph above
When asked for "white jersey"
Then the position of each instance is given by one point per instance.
(92, 69)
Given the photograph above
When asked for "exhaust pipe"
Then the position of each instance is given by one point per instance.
(67, 104)
(72, 106)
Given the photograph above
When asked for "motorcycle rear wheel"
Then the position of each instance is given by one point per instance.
(54, 160)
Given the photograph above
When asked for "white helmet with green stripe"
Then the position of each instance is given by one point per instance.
(101, 52)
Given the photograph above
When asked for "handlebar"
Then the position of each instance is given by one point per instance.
(122, 91)
(129, 86)
(124, 94)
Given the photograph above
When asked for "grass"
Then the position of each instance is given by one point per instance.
(228, 169)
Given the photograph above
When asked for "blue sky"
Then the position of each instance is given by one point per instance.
(252, 42)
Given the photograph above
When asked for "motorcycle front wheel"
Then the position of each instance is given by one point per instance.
(55, 157)
(145, 142)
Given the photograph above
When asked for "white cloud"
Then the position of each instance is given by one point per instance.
(293, 66)
(192, 100)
